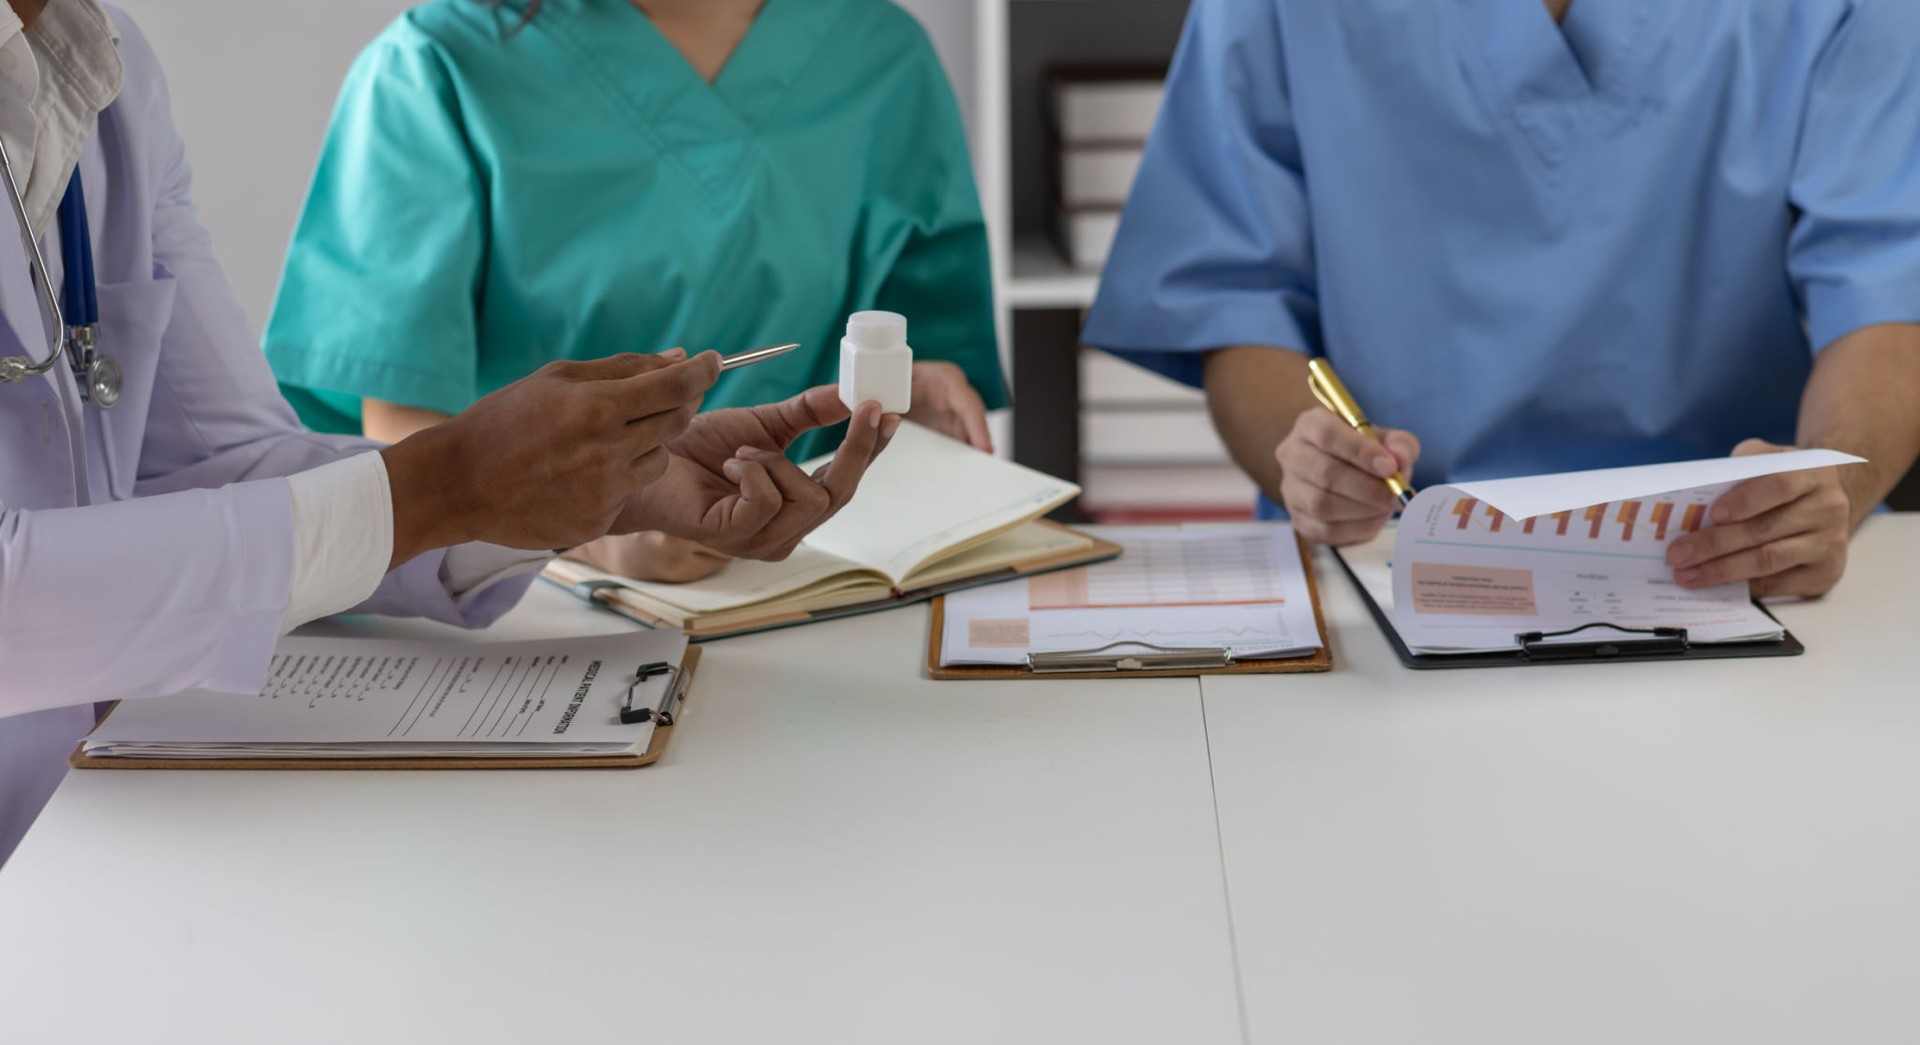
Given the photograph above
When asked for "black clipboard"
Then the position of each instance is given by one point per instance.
(1637, 646)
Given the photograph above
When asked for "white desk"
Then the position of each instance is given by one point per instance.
(834, 850)
(1724, 852)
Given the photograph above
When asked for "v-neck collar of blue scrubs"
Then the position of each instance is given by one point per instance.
(706, 125)
(1560, 82)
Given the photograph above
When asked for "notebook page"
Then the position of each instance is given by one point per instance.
(377, 697)
(929, 496)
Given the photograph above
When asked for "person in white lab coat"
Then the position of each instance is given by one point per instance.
(166, 543)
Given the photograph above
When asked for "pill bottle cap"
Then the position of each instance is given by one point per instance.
(877, 330)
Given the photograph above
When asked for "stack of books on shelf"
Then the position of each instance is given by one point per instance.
(1148, 449)
(1099, 120)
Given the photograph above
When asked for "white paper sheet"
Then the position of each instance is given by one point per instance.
(1241, 588)
(382, 698)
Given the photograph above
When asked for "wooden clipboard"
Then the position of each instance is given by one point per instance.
(1319, 660)
(656, 747)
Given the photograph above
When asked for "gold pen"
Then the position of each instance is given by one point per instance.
(1333, 395)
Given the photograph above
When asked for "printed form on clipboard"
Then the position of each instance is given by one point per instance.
(1230, 593)
(1575, 557)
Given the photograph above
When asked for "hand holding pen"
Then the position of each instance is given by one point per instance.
(1342, 477)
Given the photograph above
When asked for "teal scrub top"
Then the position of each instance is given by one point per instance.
(489, 200)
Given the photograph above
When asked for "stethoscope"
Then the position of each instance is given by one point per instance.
(77, 327)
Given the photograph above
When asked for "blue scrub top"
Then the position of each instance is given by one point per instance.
(1619, 240)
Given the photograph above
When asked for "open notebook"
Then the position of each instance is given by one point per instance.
(932, 515)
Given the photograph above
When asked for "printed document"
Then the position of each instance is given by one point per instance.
(1474, 564)
(1241, 588)
(379, 698)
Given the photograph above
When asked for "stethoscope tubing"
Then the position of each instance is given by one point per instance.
(26, 366)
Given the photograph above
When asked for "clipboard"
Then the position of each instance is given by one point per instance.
(665, 716)
(1620, 644)
(1153, 663)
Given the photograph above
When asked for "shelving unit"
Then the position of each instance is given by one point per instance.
(1041, 298)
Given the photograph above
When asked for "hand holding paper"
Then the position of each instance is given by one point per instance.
(1785, 533)
(1476, 563)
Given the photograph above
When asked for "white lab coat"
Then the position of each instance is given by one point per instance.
(176, 574)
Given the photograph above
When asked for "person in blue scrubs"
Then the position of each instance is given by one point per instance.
(1537, 237)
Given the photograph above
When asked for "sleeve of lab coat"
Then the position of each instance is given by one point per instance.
(184, 584)
(1215, 246)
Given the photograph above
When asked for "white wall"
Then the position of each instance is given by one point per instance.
(254, 80)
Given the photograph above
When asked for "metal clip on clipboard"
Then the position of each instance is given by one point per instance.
(1534, 645)
(676, 689)
(1161, 658)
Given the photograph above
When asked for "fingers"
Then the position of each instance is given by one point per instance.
(1797, 547)
(971, 411)
(1323, 431)
(672, 386)
(1755, 496)
(816, 407)
(1405, 447)
(866, 437)
(1809, 556)
(947, 402)
(615, 367)
(757, 503)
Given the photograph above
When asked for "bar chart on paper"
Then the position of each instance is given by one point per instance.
(1638, 528)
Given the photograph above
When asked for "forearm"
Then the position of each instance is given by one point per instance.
(392, 422)
(1255, 394)
(1864, 398)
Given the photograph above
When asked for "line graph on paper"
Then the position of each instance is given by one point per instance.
(1170, 570)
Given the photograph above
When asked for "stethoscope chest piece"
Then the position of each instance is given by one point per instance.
(102, 387)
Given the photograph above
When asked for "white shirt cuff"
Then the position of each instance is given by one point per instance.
(343, 540)
(342, 536)
(471, 567)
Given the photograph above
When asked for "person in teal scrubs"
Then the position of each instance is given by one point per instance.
(504, 185)
(1538, 237)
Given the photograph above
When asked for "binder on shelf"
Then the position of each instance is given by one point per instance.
(1139, 658)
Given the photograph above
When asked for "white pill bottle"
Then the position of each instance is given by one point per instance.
(875, 362)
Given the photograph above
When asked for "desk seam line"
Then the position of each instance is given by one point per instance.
(1226, 885)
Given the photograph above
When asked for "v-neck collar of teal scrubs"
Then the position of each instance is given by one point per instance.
(1559, 83)
(706, 126)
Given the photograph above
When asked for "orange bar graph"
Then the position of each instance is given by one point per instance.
(1662, 512)
(1564, 518)
(1629, 514)
(1597, 515)
(1527, 526)
(1495, 519)
(1696, 514)
(1464, 509)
